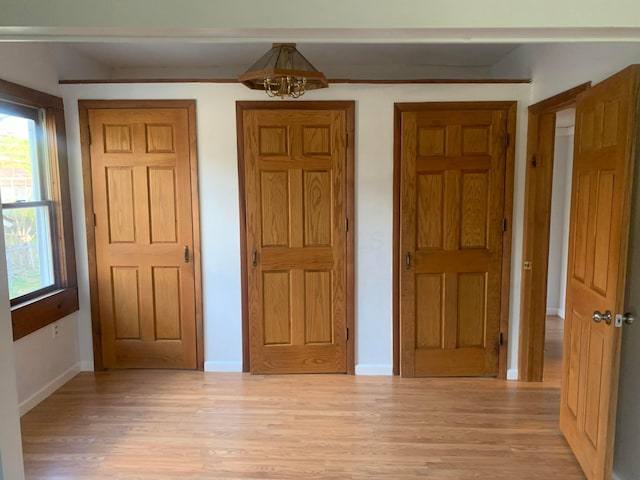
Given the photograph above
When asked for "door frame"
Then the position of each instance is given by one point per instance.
(349, 109)
(83, 111)
(535, 235)
(510, 109)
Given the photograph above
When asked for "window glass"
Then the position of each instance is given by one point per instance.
(27, 240)
(18, 159)
(26, 213)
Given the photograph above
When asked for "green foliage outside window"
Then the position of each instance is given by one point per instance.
(21, 225)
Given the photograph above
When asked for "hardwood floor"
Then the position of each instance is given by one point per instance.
(554, 329)
(191, 425)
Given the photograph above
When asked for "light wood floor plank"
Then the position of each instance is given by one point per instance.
(166, 425)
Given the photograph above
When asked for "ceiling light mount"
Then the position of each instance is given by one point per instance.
(283, 72)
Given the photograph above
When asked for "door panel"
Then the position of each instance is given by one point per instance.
(451, 227)
(599, 222)
(141, 182)
(295, 193)
(162, 204)
(126, 301)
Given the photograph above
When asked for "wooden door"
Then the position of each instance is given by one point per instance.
(144, 236)
(598, 236)
(296, 218)
(452, 196)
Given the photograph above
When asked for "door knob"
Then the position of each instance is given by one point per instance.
(598, 317)
(624, 318)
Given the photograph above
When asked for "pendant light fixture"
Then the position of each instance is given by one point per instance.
(283, 72)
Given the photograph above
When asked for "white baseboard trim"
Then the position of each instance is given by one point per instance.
(364, 369)
(48, 389)
(553, 311)
(512, 374)
(86, 366)
(227, 367)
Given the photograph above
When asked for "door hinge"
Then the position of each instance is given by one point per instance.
(534, 161)
(94, 219)
(500, 339)
(507, 140)
(504, 224)
(347, 334)
(89, 134)
(346, 224)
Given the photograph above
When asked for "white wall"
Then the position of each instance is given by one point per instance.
(555, 68)
(559, 231)
(10, 441)
(43, 363)
(41, 65)
(30, 64)
(357, 70)
(219, 204)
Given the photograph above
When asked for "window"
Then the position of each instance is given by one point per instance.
(26, 208)
(36, 213)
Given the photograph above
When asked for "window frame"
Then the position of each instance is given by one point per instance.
(41, 183)
(32, 314)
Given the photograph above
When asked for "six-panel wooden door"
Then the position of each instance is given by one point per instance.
(295, 193)
(452, 195)
(603, 166)
(144, 238)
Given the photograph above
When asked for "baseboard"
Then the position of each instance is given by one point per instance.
(86, 366)
(615, 476)
(228, 367)
(48, 389)
(236, 367)
(364, 369)
(512, 374)
(553, 312)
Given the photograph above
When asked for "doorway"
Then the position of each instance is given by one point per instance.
(545, 236)
(558, 242)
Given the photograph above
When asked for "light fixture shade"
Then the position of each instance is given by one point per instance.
(283, 61)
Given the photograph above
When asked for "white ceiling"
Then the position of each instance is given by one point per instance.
(359, 39)
(335, 60)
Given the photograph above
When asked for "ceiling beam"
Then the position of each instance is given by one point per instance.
(359, 21)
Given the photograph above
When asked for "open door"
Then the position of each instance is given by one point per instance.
(598, 239)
